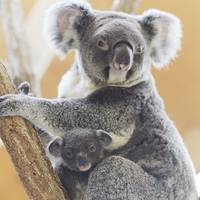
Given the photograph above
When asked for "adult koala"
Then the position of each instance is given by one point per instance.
(99, 46)
(117, 49)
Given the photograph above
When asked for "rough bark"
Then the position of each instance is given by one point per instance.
(27, 153)
(19, 56)
(128, 6)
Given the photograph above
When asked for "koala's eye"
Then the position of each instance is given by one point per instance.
(139, 50)
(102, 44)
(68, 153)
(92, 148)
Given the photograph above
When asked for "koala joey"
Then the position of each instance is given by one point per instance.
(79, 150)
(115, 52)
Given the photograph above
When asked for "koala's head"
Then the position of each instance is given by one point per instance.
(80, 149)
(114, 47)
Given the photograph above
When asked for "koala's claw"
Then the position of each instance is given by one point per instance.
(24, 88)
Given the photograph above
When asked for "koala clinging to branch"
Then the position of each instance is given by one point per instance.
(79, 150)
(114, 53)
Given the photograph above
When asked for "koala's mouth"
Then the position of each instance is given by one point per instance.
(84, 167)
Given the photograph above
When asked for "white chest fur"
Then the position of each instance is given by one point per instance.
(75, 85)
(119, 140)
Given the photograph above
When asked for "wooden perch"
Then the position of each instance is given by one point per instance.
(128, 6)
(27, 153)
(19, 54)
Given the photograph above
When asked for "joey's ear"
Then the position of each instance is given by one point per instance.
(55, 146)
(63, 21)
(104, 137)
(163, 33)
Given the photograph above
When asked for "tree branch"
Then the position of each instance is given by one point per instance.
(19, 56)
(27, 153)
(128, 6)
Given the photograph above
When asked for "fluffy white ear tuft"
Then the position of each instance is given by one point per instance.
(163, 32)
(62, 23)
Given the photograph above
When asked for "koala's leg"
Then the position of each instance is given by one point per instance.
(119, 178)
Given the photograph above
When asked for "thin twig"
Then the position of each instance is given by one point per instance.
(128, 6)
(19, 56)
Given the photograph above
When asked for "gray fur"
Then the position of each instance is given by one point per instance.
(160, 160)
(154, 164)
(154, 37)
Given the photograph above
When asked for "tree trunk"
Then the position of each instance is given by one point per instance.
(27, 153)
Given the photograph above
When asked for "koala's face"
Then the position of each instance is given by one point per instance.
(114, 47)
(112, 51)
(80, 149)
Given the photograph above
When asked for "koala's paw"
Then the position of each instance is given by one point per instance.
(8, 105)
(24, 88)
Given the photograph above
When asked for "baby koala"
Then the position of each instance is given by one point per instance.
(79, 150)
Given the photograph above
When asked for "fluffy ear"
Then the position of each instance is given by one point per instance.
(104, 137)
(55, 146)
(163, 32)
(63, 21)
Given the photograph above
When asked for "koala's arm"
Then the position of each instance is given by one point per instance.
(38, 111)
(58, 116)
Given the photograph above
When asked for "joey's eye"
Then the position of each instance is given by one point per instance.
(139, 50)
(68, 153)
(92, 148)
(102, 44)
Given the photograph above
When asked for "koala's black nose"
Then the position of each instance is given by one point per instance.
(82, 163)
(81, 160)
(123, 57)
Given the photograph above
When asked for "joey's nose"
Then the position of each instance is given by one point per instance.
(81, 160)
(123, 57)
(83, 164)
